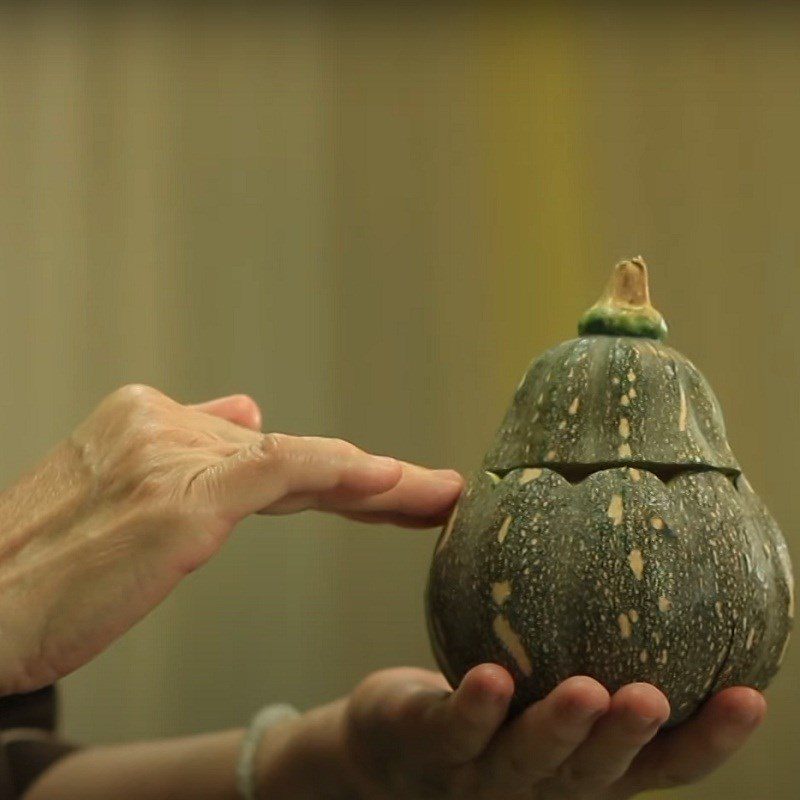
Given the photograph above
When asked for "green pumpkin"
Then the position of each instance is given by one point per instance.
(610, 531)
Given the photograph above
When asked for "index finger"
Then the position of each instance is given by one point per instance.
(281, 474)
(420, 499)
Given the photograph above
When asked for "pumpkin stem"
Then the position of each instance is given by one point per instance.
(624, 308)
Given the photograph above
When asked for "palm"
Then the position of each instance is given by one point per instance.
(411, 737)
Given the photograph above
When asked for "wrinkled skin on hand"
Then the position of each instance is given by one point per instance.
(145, 491)
(403, 735)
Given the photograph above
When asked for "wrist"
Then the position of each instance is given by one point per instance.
(306, 757)
(45, 501)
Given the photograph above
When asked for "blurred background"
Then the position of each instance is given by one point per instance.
(371, 221)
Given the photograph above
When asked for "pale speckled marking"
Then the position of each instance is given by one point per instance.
(550, 455)
(682, 413)
(783, 650)
(539, 399)
(632, 392)
(657, 523)
(573, 407)
(571, 372)
(657, 637)
(501, 592)
(448, 529)
(750, 638)
(634, 615)
(503, 530)
(493, 477)
(624, 626)
(615, 381)
(635, 474)
(511, 641)
(615, 509)
(624, 428)
(637, 563)
(664, 604)
(662, 659)
(631, 375)
(624, 450)
(718, 608)
(624, 400)
(644, 656)
(562, 424)
(790, 585)
(528, 475)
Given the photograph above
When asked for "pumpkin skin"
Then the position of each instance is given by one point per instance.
(611, 533)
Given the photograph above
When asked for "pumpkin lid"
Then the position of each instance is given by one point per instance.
(614, 396)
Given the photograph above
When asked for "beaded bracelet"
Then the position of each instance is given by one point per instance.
(246, 783)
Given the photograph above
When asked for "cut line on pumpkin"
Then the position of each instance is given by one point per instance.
(577, 473)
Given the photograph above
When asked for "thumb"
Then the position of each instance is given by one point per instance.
(307, 468)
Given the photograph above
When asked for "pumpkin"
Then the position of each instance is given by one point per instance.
(610, 531)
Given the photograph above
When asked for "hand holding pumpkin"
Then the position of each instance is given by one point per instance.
(402, 735)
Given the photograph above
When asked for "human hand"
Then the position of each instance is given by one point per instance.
(145, 491)
(403, 735)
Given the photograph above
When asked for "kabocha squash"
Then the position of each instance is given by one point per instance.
(610, 531)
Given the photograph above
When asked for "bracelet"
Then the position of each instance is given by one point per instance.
(262, 721)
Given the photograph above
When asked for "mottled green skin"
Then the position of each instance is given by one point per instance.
(713, 577)
(595, 370)
(696, 557)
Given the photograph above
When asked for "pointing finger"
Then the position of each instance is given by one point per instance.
(278, 469)
(421, 498)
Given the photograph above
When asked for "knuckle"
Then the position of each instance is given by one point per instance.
(343, 447)
(135, 395)
(272, 447)
(146, 434)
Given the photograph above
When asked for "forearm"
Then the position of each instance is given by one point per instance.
(200, 767)
(297, 759)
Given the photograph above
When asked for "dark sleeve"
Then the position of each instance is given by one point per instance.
(28, 743)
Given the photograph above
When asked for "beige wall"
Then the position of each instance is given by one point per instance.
(371, 223)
